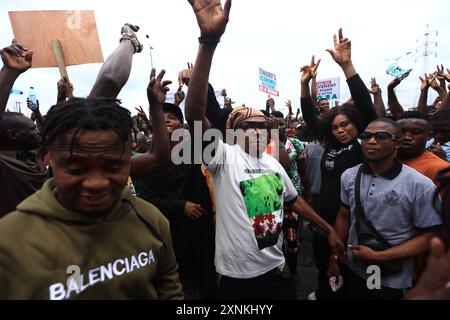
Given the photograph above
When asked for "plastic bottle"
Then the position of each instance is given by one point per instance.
(33, 98)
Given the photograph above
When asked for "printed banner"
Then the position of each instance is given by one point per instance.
(268, 82)
(328, 89)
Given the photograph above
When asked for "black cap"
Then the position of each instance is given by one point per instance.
(176, 110)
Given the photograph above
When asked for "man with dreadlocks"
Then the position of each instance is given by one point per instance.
(84, 221)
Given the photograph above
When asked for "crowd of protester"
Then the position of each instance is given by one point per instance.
(96, 204)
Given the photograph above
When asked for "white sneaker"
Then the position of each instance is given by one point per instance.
(312, 296)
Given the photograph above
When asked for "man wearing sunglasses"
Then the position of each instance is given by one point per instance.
(397, 200)
(251, 188)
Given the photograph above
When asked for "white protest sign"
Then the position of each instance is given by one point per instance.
(328, 89)
(268, 82)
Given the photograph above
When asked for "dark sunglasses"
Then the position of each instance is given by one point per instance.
(379, 136)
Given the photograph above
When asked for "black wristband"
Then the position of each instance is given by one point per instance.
(208, 39)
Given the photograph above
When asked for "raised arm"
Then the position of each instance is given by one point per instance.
(143, 116)
(213, 111)
(441, 76)
(116, 70)
(445, 104)
(342, 55)
(309, 112)
(425, 85)
(16, 60)
(314, 91)
(377, 98)
(393, 104)
(437, 87)
(270, 104)
(160, 154)
(36, 112)
(290, 114)
(212, 21)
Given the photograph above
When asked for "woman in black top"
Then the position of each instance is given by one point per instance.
(339, 132)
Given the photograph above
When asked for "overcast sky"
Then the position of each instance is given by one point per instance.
(278, 36)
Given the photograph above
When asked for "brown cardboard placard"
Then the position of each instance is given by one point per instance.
(75, 30)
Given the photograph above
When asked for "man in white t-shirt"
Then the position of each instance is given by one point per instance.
(250, 187)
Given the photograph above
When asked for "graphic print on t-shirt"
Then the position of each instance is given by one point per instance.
(263, 200)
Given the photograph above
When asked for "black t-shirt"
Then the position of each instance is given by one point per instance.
(169, 187)
(335, 161)
(21, 175)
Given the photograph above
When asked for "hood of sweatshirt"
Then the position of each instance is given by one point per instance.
(44, 203)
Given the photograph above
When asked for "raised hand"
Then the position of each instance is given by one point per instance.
(306, 75)
(425, 84)
(31, 107)
(342, 53)
(447, 75)
(179, 96)
(433, 82)
(130, 28)
(141, 113)
(314, 66)
(289, 106)
(65, 89)
(309, 72)
(17, 57)
(185, 75)
(157, 89)
(211, 18)
(270, 104)
(129, 32)
(395, 82)
(440, 74)
(374, 87)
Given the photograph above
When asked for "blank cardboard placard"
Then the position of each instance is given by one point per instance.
(76, 31)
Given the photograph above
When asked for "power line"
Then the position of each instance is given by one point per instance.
(425, 44)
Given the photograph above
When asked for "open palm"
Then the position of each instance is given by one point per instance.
(211, 18)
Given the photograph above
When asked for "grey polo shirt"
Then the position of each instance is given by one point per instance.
(399, 203)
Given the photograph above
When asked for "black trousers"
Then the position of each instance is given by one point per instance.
(194, 251)
(272, 285)
(355, 288)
